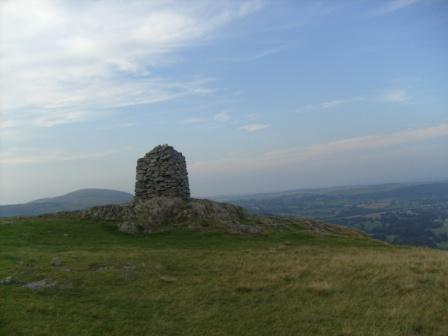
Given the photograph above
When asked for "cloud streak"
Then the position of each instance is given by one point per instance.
(395, 96)
(61, 57)
(27, 157)
(253, 127)
(222, 117)
(395, 5)
(193, 120)
(331, 104)
(256, 56)
(296, 155)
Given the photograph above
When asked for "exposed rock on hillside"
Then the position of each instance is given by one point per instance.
(167, 213)
(162, 213)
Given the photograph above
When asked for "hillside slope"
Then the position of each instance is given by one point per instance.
(194, 283)
(76, 200)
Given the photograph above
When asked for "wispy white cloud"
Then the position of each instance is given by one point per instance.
(330, 104)
(253, 127)
(7, 124)
(380, 140)
(65, 56)
(395, 96)
(296, 155)
(222, 117)
(8, 135)
(255, 56)
(252, 116)
(193, 120)
(394, 5)
(51, 120)
(30, 156)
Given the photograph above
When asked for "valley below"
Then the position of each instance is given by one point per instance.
(406, 214)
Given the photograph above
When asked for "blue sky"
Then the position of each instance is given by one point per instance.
(258, 95)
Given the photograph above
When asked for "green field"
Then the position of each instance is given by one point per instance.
(192, 283)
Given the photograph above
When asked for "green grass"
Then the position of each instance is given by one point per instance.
(191, 283)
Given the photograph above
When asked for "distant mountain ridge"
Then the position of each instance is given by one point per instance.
(76, 200)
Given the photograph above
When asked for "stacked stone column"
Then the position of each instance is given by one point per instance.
(162, 172)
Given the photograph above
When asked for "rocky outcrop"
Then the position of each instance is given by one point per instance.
(165, 213)
(162, 173)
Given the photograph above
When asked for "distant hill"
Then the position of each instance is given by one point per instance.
(76, 200)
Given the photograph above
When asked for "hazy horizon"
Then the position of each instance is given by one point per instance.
(218, 196)
(260, 96)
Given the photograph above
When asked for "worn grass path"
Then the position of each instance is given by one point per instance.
(184, 283)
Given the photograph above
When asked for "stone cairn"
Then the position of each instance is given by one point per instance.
(162, 172)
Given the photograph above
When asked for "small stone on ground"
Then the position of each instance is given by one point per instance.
(167, 278)
(7, 281)
(56, 261)
(39, 285)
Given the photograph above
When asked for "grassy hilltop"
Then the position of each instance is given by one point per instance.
(192, 283)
